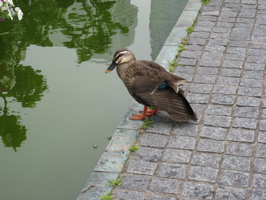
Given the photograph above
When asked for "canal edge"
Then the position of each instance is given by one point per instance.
(117, 152)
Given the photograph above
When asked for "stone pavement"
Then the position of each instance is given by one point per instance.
(223, 155)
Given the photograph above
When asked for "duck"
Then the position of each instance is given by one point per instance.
(151, 85)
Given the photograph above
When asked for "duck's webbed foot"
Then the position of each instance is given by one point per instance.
(145, 113)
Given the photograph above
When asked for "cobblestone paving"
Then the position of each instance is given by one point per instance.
(223, 155)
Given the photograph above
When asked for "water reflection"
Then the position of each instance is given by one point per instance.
(89, 27)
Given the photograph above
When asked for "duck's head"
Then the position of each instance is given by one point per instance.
(121, 56)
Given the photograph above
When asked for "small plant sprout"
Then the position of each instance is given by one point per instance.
(134, 148)
(146, 123)
(107, 196)
(204, 2)
(116, 182)
(172, 64)
(181, 48)
(190, 30)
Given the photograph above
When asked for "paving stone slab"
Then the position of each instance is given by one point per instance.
(181, 142)
(220, 121)
(260, 165)
(134, 182)
(206, 159)
(224, 193)
(258, 194)
(141, 167)
(234, 178)
(223, 99)
(176, 155)
(239, 149)
(262, 137)
(153, 140)
(219, 110)
(185, 129)
(259, 181)
(248, 123)
(241, 135)
(148, 154)
(159, 197)
(201, 173)
(163, 185)
(129, 195)
(236, 163)
(196, 190)
(171, 170)
(216, 133)
(208, 145)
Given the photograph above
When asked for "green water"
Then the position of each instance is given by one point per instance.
(56, 102)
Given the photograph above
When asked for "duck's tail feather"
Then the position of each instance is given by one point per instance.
(175, 104)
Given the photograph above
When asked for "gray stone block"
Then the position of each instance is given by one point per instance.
(181, 142)
(253, 74)
(225, 193)
(221, 121)
(141, 167)
(203, 174)
(207, 70)
(158, 197)
(216, 133)
(153, 140)
(248, 91)
(239, 149)
(259, 181)
(237, 57)
(185, 129)
(260, 165)
(249, 112)
(208, 145)
(230, 72)
(232, 64)
(253, 83)
(176, 155)
(234, 178)
(148, 154)
(160, 127)
(262, 137)
(241, 135)
(258, 194)
(223, 99)
(201, 88)
(219, 110)
(261, 150)
(248, 101)
(227, 80)
(129, 195)
(263, 125)
(224, 89)
(249, 123)
(254, 66)
(203, 78)
(187, 61)
(134, 182)
(162, 185)
(198, 98)
(236, 163)
(206, 159)
(196, 190)
(171, 170)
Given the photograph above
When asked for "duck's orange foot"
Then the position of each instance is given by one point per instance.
(151, 111)
(145, 113)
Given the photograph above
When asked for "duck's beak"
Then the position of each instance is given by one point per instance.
(112, 66)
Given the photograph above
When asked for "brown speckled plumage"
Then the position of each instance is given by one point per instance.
(143, 78)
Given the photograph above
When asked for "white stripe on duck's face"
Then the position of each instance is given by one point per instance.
(123, 57)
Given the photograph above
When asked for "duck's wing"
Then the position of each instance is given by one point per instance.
(172, 80)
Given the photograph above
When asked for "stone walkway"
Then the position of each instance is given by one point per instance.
(223, 156)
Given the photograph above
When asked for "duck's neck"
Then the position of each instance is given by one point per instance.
(121, 69)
